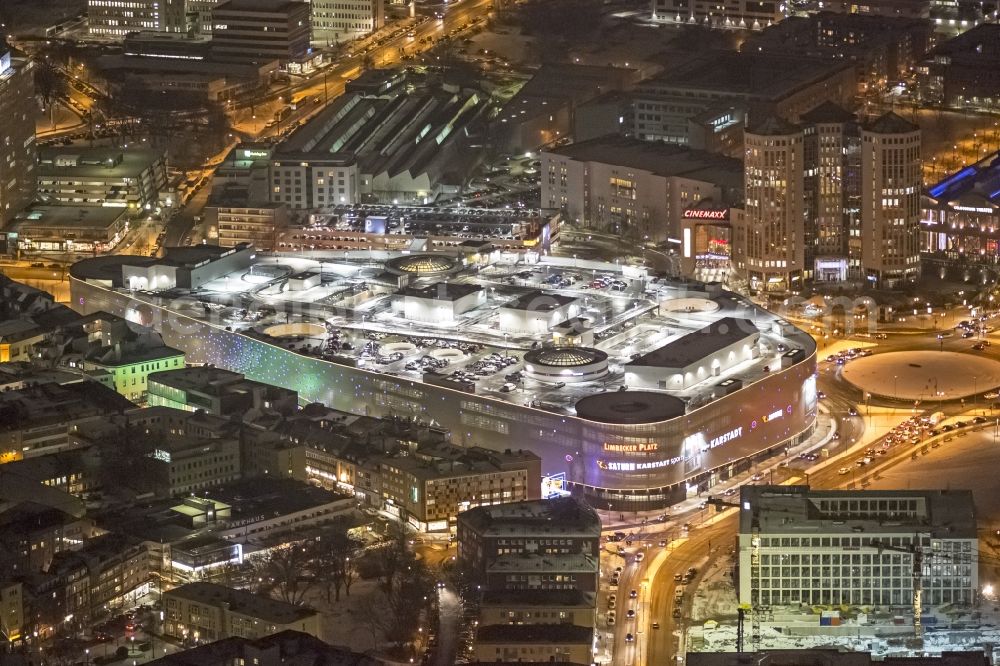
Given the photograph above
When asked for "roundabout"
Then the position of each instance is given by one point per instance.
(923, 375)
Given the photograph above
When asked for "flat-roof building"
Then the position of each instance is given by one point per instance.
(637, 187)
(114, 20)
(216, 391)
(210, 612)
(545, 544)
(336, 21)
(261, 31)
(798, 545)
(70, 229)
(184, 267)
(131, 178)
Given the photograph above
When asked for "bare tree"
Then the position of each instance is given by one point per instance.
(290, 573)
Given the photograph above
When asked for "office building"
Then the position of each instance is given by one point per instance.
(834, 657)
(890, 212)
(846, 547)
(721, 88)
(833, 190)
(17, 134)
(261, 31)
(547, 544)
(961, 73)
(637, 188)
(769, 243)
(131, 178)
(217, 391)
(199, 15)
(961, 214)
(92, 229)
(114, 19)
(181, 465)
(210, 612)
(336, 21)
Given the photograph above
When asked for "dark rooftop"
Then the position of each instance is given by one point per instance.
(241, 601)
(891, 123)
(827, 112)
(565, 513)
(696, 345)
(564, 598)
(442, 291)
(537, 301)
(771, 126)
(630, 407)
(534, 633)
(662, 159)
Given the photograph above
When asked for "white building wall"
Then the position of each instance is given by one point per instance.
(679, 379)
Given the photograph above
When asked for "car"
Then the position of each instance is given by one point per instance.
(612, 597)
(618, 571)
(968, 334)
(611, 604)
(630, 614)
(852, 411)
(757, 477)
(843, 470)
(655, 625)
(662, 543)
(639, 556)
(676, 613)
(678, 578)
(959, 424)
(632, 594)
(820, 394)
(629, 638)
(611, 620)
(979, 346)
(979, 419)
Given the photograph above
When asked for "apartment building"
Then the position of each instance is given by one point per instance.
(744, 14)
(217, 391)
(109, 571)
(769, 241)
(803, 546)
(208, 612)
(890, 212)
(17, 135)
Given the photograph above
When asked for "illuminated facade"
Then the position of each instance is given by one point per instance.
(117, 18)
(771, 241)
(850, 547)
(961, 214)
(890, 211)
(636, 456)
